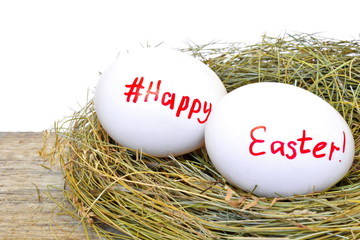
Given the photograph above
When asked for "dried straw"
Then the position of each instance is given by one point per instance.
(119, 191)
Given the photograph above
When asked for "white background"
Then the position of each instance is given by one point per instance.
(51, 52)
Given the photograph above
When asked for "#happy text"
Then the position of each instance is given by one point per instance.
(185, 105)
(291, 149)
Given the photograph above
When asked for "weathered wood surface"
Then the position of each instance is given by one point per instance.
(26, 210)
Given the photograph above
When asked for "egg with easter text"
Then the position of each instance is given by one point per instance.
(275, 139)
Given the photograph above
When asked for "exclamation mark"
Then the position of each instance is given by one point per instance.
(344, 143)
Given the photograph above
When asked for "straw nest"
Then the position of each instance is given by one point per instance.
(124, 194)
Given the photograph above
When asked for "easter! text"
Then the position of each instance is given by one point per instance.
(259, 145)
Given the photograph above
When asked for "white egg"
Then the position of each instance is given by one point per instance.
(157, 100)
(276, 139)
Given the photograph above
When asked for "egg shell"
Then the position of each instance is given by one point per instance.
(157, 101)
(275, 139)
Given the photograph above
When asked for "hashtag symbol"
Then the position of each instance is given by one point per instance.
(134, 89)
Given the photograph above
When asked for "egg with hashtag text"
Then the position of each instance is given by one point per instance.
(157, 101)
(275, 139)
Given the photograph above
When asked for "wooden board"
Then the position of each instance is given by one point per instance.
(26, 208)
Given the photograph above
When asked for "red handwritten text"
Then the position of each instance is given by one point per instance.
(291, 149)
(168, 99)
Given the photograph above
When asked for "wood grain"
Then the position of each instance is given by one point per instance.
(26, 209)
